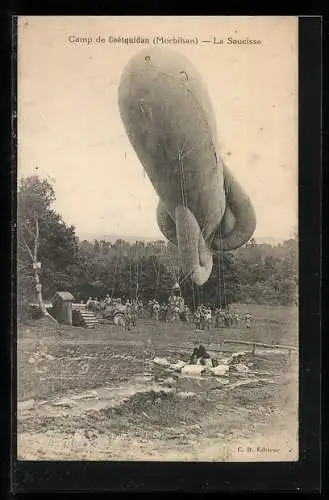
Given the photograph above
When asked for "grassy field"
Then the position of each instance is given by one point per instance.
(98, 395)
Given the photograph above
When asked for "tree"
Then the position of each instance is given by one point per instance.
(46, 245)
(34, 197)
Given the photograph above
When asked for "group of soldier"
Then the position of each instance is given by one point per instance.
(128, 309)
(99, 305)
(174, 310)
(204, 317)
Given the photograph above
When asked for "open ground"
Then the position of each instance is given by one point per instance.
(98, 395)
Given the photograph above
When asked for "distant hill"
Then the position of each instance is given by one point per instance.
(113, 237)
(269, 240)
(131, 239)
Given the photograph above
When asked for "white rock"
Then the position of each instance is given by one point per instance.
(161, 361)
(193, 369)
(178, 366)
(185, 394)
(220, 370)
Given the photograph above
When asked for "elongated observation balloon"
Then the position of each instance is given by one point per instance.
(170, 122)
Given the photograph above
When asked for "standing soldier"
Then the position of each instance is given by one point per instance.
(150, 308)
(139, 307)
(134, 312)
(227, 319)
(208, 318)
(202, 317)
(156, 309)
(217, 317)
(163, 312)
(177, 312)
(197, 319)
(237, 320)
(127, 315)
(230, 318)
(221, 317)
(186, 311)
(248, 320)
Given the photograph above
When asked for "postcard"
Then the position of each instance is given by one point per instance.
(157, 240)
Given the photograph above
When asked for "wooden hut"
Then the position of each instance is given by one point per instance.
(62, 307)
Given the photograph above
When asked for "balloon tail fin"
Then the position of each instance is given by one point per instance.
(196, 258)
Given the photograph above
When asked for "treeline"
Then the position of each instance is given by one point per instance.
(255, 273)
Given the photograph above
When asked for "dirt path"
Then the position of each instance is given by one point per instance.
(103, 398)
(149, 420)
(54, 445)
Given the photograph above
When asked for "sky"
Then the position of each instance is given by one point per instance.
(69, 127)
